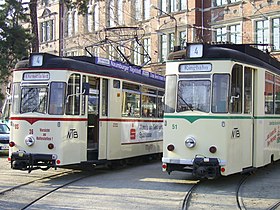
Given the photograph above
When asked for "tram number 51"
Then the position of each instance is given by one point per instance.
(174, 126)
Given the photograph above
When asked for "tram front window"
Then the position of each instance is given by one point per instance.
(57, 98)
(194, 95)
(34, 99)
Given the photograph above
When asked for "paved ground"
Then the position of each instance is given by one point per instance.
(141, 187)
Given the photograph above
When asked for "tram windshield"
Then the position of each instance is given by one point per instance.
(194, 95)
(34, 99)
(41, 98)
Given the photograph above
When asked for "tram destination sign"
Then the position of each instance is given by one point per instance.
(206, 67)
(36, 76)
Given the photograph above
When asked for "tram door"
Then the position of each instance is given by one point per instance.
(248, 96)
(242, 128)
(93, 119)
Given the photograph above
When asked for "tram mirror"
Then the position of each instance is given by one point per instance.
(163, 99)
(8, 89)
(232, 98)
(85, 88)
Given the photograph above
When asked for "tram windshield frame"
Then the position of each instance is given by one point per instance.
(199, 93)
(42, 98)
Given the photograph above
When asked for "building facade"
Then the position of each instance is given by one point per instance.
(145, 31)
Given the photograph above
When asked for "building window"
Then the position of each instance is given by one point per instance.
(89, 19)
(138, 10)
(92, 17)
(71, 53)
(173, 5)
(69, 19)
(142, 9)
(229, 33)
(111, 13)
(183, 5)
(147, 5)
(171, 40)
(262, 33)
(163, 47)
(46, 31)
(221, 34)
(183, 39)
(235, 34)
(220, 2)
(45, 2)
(137, 54)
(120, 12)
(164, 5)
(93, 51)
(276, 33)
(147, 49)
(115, 13)
(75, 22)
(96, 17)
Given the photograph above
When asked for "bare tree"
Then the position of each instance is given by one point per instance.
(34, 25)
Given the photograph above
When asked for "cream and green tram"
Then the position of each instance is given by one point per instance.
(222, 110)
(73, 110)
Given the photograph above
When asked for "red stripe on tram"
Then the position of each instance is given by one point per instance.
(32, 120)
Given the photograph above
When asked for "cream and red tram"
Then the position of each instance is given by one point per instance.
(222, 112)
(72, 110)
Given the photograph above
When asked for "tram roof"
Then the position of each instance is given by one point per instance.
(244, 53)
(96, 65)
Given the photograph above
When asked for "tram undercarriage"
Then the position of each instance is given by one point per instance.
(29, 162)
(202, 168)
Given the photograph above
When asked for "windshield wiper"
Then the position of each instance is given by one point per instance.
(43, 99)
(188, 105)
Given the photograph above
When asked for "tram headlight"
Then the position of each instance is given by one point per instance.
(190, 142)
(29, 140)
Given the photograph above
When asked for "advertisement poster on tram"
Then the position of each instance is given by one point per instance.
(137, 132)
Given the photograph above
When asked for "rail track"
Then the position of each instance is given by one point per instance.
(188, 196)
(248, 194)
(26, 194)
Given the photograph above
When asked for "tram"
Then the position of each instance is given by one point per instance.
(76, 110)
(222, 112)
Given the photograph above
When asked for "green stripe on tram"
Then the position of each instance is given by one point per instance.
(193, 118)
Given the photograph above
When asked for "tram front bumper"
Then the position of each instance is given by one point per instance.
(28, 161)
(206, 168)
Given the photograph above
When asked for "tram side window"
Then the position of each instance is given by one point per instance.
(131, 100)
(277, 95)
(236, 89)
(220, 93)
(170, 94)
(149, 104)
(73, 95)
(105, 97)
(160, 104)
(268, 93)
(16, 98)
(116, 84)
(248, 90)
(83, 108)
(57, 95)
